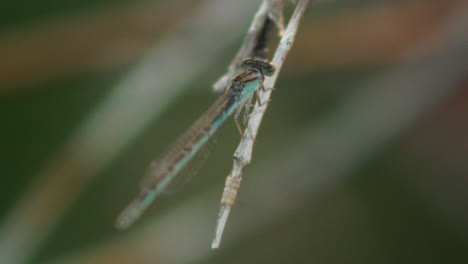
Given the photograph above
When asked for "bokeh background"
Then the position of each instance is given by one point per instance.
(362, 156)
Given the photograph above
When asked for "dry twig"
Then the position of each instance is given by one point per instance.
(243, 154)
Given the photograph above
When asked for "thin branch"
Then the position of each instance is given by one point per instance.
(243, 154)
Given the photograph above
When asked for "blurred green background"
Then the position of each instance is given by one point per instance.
(404, 201)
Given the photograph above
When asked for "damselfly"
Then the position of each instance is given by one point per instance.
(161, 172)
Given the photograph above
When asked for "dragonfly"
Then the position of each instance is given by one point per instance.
(162, 172)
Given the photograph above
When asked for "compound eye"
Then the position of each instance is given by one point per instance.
(268, 69)
(248, 63)
(264, 66)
